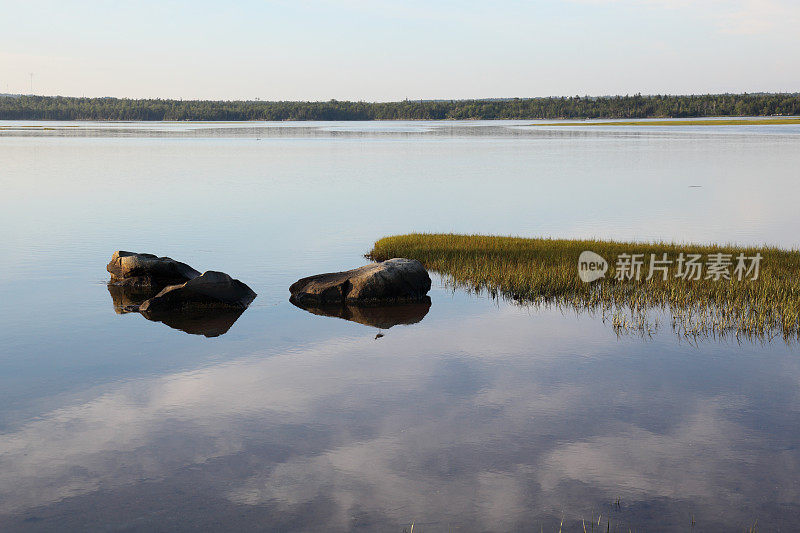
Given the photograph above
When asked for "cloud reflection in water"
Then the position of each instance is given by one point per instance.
(435, 425)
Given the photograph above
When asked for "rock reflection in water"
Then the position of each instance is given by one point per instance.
(207, 322)
(126, 299)
(381, 317)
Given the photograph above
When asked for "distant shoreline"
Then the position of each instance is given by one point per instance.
(700, 121)
(636, 107)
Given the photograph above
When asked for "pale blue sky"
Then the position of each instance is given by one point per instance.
(381, 50)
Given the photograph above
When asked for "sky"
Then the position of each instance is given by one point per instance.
(380, 50)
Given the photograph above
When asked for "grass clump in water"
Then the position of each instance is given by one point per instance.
(545, 272)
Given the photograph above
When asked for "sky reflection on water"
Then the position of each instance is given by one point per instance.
(482, 415)
(436, 423)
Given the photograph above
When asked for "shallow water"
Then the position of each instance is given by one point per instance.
(484, 415)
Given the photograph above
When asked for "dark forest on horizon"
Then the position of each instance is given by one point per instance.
(28, 107)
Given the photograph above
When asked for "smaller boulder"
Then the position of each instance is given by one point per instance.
(395, 280)
(211, 290)
(147, 271)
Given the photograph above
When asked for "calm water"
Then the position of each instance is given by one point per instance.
(484, 415)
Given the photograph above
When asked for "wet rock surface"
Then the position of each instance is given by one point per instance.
(147, 271)
(394, 280)
(207, 321)
(171, 292)
(209, 291)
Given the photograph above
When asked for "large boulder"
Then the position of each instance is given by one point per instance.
(395, 280)
(212, 290)
(204, 321)
(147, 271)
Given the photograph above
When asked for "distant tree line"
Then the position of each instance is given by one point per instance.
(21, 107)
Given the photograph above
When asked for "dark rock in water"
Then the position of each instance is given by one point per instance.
(168, 291)
(211, 290)
(147, 271)
(395, 280)
(211, 321)
(381, 317)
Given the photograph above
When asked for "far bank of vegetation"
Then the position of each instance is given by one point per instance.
(545, 272)
(25, 107)
(771, 121)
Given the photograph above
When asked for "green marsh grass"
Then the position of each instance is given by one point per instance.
(545, 272)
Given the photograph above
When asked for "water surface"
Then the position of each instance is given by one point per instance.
(477, 415)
